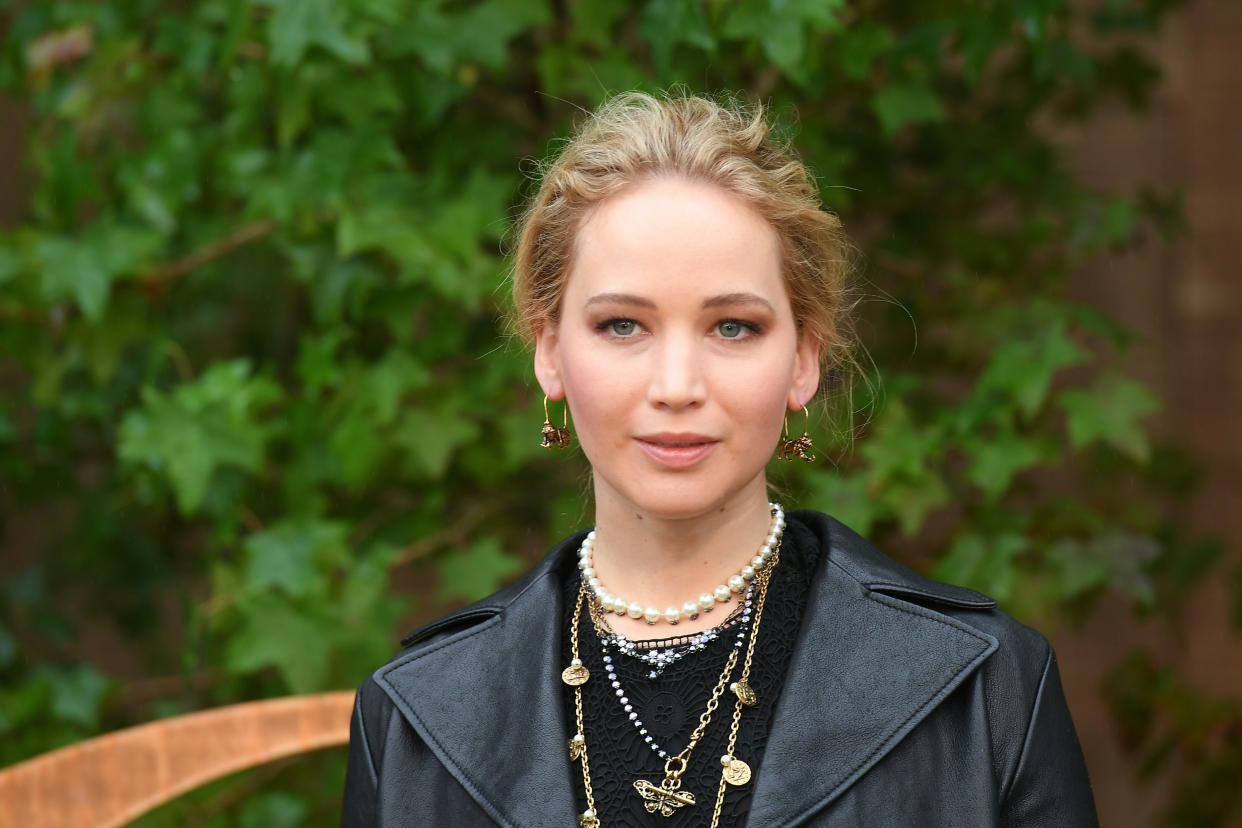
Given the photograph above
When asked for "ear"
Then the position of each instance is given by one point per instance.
(548, 361)
(806, 372)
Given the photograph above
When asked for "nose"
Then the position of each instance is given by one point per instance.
(677, 378)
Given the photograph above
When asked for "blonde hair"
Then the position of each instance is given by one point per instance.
(634, 137)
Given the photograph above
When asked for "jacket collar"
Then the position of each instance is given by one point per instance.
(871, 662)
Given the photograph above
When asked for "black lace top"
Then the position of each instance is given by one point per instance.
(670, 705)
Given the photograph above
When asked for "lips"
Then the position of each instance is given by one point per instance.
(677, 450)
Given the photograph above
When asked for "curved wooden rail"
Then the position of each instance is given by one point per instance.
(115, 778)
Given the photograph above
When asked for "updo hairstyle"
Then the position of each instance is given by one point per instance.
(635, 137)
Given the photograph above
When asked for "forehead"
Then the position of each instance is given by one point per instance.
(673, 237)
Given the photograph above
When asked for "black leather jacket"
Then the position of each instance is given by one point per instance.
(907, 703)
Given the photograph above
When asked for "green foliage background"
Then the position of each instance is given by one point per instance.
(253, 363)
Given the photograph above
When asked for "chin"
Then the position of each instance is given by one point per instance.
(684, 499)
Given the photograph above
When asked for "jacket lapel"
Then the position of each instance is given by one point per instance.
(868, 667)
(485, 702)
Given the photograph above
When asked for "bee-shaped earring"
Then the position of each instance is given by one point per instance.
(554, 436)
(799, 448)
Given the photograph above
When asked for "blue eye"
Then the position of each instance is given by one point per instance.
(735, 329)
(621, 327)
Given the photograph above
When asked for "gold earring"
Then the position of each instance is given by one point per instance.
(554, 436)
(796, 449)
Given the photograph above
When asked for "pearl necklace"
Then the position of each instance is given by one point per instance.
(690, 609)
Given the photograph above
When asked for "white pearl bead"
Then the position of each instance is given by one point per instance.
(722, 593)
(766, 554)
(672, 615)
(635, 609)
(690, 609)
(736, 584)
(706, 601)
(619, 605)
(588, 571)
(593, 583)
(771, 541)
(651, 614)
(726, 759)
(748, 572)
(757, 562)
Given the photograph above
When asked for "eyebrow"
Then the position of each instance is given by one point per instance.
(724, 299)
(620, 299)
(737, 299)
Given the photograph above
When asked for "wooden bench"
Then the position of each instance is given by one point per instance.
(113, 779)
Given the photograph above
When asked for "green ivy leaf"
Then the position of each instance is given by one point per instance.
(77, 693)
(392, 377)
(1076, 570)
(996, 460)
(845, 497)
(317, 366)
(1023, 369)
(296, 556)
(1109, 412)
(986, 563)
(665, 23)
(83, 269)
(898, 447)
(199, 427)
(784, 42)
(473, 573)
(593, 22)
(297, 25)
(296, 639)
(858, 47)
(900, 104)
(430, 437)
(492, 24)
(911, 502)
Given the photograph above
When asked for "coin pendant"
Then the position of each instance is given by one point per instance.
(744, 693)
(577, 747)
(737, 772)
(575, 674)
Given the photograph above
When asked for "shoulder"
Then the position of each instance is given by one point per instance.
(1021, 654)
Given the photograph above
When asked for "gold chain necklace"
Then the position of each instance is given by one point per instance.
(667, 797)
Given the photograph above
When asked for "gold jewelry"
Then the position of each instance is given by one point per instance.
(554, 436)
(735, 771)
(667, 797)
(796, 449)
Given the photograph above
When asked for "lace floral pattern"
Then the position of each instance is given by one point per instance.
(671, 704)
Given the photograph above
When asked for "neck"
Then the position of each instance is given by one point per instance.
(662, 562)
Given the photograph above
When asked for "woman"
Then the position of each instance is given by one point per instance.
(701, 657)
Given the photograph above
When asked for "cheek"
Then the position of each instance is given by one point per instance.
(595, 391)
(757, 395)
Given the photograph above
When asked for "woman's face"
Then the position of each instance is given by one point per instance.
(676, 349)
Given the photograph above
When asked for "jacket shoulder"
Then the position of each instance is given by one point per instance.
(1021, 653)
